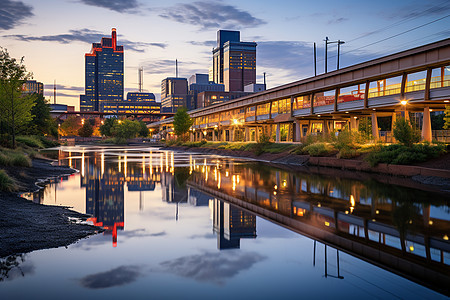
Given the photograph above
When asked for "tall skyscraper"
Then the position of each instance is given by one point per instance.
(234, 62)
(103, 74)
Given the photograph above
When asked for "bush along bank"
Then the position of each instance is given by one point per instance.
(12, 161)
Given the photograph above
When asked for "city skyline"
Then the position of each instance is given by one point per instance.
(53, 39)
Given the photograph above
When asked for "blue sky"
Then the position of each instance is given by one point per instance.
(53, 35)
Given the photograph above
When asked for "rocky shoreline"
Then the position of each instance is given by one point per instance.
(26, 226)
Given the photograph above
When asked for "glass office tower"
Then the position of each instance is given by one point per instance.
(103, 74)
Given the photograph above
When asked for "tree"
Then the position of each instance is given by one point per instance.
(404, 133)
(143, 131)
(125, 129)
(447, 117)
(70, 126)
(15, 107)
(42, 122)
(182, 121)
(108, 124)
(86, 130)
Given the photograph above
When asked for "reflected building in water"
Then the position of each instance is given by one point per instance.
(231, 224)
(396, 227)
(104, 196)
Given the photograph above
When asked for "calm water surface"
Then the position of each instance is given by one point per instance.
(182, 225)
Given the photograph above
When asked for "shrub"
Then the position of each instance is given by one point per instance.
(402, 155)
(318, 149)
(48, 143)
(7, 184)
(347, 153)
(30, 141)
(404, 133)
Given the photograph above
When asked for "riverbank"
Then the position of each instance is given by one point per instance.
(425, 173)
(26, 226)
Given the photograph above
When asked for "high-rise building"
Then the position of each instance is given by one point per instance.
(140, 97)
(33, 87)
(174, 94)
(103, 74)
(234, 62)
(200, 83)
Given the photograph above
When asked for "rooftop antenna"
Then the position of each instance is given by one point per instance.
(141, 78)
(176, 68)
(264, 79)
(54, 92)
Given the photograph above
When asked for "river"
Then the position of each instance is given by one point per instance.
(182, 225)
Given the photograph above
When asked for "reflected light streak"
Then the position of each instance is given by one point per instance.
(82, 164)
(125, 167)
(70, 159)
(218, 182)
(103, 163)
(120, 164)
(233, 179)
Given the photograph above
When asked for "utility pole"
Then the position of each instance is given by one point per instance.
(176, 68)
(315, 60)
(326, 53)
(264, 79)
(54, 92)
(339, 43)
(141, 78)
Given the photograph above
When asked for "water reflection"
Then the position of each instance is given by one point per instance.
(397, 228)
(387, 224)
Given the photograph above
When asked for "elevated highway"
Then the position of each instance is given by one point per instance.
(412, 81)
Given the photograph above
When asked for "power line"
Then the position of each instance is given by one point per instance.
(398, 34)
(390, 37)
(431, 9)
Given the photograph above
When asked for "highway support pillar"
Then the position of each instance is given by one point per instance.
(278, 133)
(426, 125)
(375, 132)
(298, 133)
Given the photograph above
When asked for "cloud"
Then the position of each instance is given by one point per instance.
(337, 20)
(120, 6)
(12, 13)
(49, 93)
(85, 36)
(211, 15)
(212, 266)
(204, 43)
(62, 87)
(115, 277)
(166, 68)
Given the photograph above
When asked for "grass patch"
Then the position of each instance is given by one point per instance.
(36, 141)
(14, 158)
(319, 149)
(403, 155)
(7, 184)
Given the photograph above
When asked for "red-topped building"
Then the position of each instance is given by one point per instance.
(103, 74)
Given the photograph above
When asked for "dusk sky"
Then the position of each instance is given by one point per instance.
(54, 35)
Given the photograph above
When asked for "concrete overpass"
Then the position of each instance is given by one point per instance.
(415, 80)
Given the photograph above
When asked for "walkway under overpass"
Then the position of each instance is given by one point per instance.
(412, 81)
